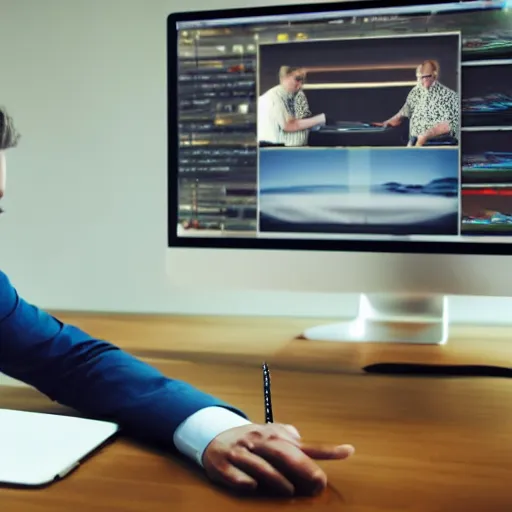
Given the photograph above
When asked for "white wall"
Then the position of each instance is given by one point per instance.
(85, 227)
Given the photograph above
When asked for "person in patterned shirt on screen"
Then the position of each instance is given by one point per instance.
(432, 108)
(284, 116)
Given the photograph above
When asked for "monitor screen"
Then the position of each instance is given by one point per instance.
(389, 124)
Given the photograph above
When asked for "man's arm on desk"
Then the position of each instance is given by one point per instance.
(98, 379)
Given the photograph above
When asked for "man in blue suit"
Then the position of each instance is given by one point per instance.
(98, 379)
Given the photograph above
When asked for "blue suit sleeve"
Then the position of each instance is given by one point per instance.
(92, 376)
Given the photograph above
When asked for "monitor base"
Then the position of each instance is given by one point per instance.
(417, 320)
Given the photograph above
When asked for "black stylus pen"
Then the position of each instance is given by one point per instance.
(267, 395)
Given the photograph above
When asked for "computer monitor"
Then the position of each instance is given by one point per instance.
(356, 147)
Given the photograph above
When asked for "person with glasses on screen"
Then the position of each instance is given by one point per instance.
(100, 380)
(284, 117)
(433, 109)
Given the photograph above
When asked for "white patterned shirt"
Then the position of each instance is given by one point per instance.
(426, 108)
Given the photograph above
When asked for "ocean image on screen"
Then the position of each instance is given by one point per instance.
(394, 191)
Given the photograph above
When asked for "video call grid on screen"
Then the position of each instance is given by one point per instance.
(228, 186)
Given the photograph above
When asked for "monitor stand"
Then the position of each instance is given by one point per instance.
(419, 320)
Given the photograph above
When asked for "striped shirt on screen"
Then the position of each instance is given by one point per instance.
(275, 108)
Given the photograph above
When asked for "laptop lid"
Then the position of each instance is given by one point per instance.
(38, 448)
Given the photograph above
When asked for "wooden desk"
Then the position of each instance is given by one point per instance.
(423, 444)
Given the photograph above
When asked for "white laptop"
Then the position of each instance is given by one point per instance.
(36, 448)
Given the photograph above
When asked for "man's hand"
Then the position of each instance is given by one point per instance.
(270, 457)
(390, 123)
(422, 139)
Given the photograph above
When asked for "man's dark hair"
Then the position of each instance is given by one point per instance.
(9, 136)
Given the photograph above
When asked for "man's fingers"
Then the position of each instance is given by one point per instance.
(290, 460)
(269, 456)
(328, 452)
(298, 465)
(261, 470)
(235, 478)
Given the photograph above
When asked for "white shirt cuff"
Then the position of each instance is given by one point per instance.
(194, 435)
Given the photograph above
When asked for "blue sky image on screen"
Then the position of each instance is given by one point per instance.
(367, 186)
(322, 169)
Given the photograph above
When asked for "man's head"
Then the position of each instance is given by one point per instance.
(427, 73)
(9, 138)
(291, 78)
